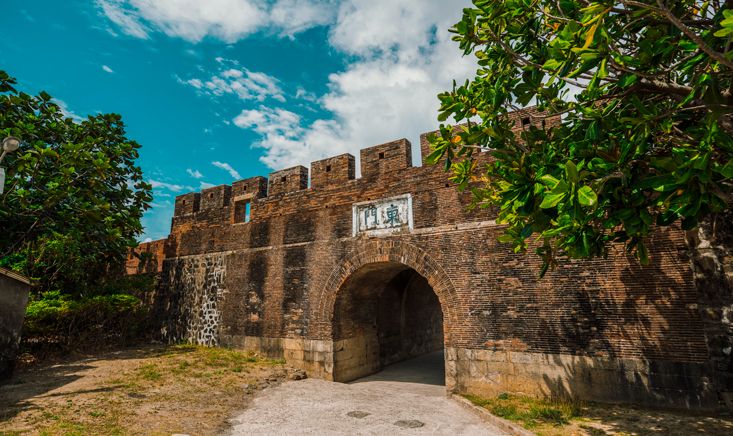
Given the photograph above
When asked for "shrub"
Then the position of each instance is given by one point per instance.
(57, 323)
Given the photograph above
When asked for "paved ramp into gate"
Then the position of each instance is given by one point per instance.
(406, 398)
(424, 375)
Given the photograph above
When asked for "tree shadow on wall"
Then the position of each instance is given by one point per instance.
(647, 345)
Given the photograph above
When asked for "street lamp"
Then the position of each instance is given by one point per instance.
(11, 143)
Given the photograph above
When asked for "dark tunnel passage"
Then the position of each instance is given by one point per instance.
(385, 313)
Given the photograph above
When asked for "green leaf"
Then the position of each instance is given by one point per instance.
(586, 196)
(647, 217)
(527, 230)
(726, 31)
(506, 238)
(550, 181)
(689, 223)
(654, 181)
(727, 170)
(703, 162)
(571, 171)
(642, 253)
(435, 156)
(555, 196)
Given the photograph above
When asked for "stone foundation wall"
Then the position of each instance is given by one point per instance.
(660, 383)
(711, 257)
(186, 304)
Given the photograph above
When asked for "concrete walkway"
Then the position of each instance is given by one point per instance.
(406, 398)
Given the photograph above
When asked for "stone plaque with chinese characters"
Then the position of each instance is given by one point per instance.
(384, 215)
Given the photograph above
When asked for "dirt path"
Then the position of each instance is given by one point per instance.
(325, 408)
(147, 391)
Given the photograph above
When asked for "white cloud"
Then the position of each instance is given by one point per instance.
(205, 185)
(226, 166)
(126, 19)
(107, 69)
(148, 240)
(245, 84)
(27, 15)
(66, 111)
(195, 174)
(404, 58)
(305, 95)
(172, 187)
(225, 20)
(161, 205)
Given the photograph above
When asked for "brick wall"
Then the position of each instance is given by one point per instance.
(296, 286)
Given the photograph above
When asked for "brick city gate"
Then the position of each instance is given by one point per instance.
(351, 274)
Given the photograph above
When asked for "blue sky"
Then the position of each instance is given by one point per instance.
(221, 90)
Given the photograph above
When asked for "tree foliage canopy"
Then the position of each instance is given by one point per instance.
(73, 196)
(645, 96)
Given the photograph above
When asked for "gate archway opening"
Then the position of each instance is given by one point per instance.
(384, 313)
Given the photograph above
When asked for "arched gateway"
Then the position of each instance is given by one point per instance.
(385, 302)
(342, 275)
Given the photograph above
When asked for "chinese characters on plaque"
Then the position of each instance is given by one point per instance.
(383, 215)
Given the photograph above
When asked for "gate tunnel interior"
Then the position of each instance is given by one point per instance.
(384, 313)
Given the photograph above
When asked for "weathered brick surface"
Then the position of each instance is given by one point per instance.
(333, 171)
(295, 273)
(288, 180)
(158, 248)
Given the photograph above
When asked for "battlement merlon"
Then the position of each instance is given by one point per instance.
(287, 180)
(333, 170)
(384, 158)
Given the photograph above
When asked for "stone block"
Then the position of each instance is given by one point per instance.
(523, 358)
(463, 354)
(293, 344)
(323, 346)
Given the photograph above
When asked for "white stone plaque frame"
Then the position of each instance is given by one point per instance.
(383, 216)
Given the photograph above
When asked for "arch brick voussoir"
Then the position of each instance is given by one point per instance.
(388, 251)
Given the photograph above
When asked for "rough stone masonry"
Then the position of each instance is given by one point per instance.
(351, 274)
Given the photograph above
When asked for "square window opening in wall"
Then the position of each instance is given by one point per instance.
(381, 155)
(242, 211)
(526, 122)
(328, 168)
(211, 195)
(183, 201)
(283, 179)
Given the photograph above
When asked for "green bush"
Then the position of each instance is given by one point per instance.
(58, 323)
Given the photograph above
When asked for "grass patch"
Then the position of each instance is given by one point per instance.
(150, 372)
(532, 413)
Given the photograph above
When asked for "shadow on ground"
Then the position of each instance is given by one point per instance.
(631, 419)
(37, 381)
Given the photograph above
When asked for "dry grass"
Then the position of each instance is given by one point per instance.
(159, 391)
(570, 417)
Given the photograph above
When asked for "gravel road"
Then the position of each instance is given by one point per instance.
(326, 408)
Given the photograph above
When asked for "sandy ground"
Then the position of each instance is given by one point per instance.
(315, 407)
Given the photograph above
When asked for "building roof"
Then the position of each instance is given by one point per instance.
(15, 275)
